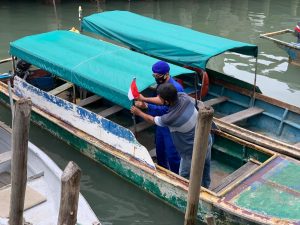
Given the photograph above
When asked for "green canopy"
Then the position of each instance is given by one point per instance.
(163, 40)
(100, 67)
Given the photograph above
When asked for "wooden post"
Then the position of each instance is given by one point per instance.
(202, 131)
(20, 133)
(210, 220)
(70, 186)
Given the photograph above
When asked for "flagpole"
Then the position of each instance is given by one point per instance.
(134, 121)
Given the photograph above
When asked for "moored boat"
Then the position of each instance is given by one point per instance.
(240, 108)
(291, 48)
(42, 196)
(242, 173)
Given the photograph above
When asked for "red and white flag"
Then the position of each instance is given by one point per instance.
(133, 91)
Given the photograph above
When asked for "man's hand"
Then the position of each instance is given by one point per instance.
(140, 104)
(135, 110)
(141, 98)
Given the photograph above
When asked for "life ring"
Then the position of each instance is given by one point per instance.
(205, 80)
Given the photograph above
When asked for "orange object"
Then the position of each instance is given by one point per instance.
(205, 80)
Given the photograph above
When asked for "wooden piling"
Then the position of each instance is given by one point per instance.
(70, 186)
(210, 220)
(20, 133)
(202, 131)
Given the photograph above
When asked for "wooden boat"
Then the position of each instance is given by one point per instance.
(249, 183)
(42, 197)
(291, 48)
(240, 108)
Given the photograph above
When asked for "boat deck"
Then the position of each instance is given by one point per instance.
(269, 189)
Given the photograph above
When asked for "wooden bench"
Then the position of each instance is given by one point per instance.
(89, 100)
(241, 115)
(112, 110)
(249, 166)
(140, 126)
(61, 88)
(215, 101)
(5, 156)
(297, 144)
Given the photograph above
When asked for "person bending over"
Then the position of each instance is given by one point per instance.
(181, 119)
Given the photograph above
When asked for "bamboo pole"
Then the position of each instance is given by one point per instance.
(70, 182)
(202, 131)
(20, 133)
(5, 60)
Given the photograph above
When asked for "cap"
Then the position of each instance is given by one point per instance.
(161, 67)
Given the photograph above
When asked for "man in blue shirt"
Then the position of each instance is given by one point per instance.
(166, 153)
(181, 119)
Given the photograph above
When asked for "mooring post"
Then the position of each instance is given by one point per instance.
(210, 220)
(202, 131)
(70, 186)
(20, 134)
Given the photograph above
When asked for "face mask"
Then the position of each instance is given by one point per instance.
(160, 80)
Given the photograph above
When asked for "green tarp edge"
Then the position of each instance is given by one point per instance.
(79, 59)
(174, 43)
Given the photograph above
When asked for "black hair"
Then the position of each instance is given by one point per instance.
(167, 92)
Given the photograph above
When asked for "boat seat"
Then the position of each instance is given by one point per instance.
(241, 115)
(32, 198)
(89, 100)
(5, 156)
(249, 166)
(61, 88)
(215, 101)
(5, 179)
(141, 126)
(112, 110)
(297, 144)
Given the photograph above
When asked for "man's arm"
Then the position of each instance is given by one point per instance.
(154, 100)
(136, 111)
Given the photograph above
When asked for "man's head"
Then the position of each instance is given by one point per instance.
(160, 71)
(168, 93)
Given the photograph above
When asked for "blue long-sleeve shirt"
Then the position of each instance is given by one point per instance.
(159, 110)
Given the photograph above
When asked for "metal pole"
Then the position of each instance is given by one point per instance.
(202, 130)
(11, 99)
(254, 85)
(55, 12)
(20, 135)
(134, 121)
(80, 18)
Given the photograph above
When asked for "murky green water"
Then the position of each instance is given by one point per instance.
(115, 201)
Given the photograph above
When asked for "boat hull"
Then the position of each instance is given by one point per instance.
(161, 183)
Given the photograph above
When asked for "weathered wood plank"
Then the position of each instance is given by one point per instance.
(5, 156)
(70, 186)
(5, 60)
(215, 101)
(20, 136)
(141, 126)
(244, 114)
(89, 100)
(202, 131)
(61, 88)
(249, 166)
(112, 110)
(297, 144)
(5, 179)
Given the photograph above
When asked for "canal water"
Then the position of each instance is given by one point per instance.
(114, 200)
